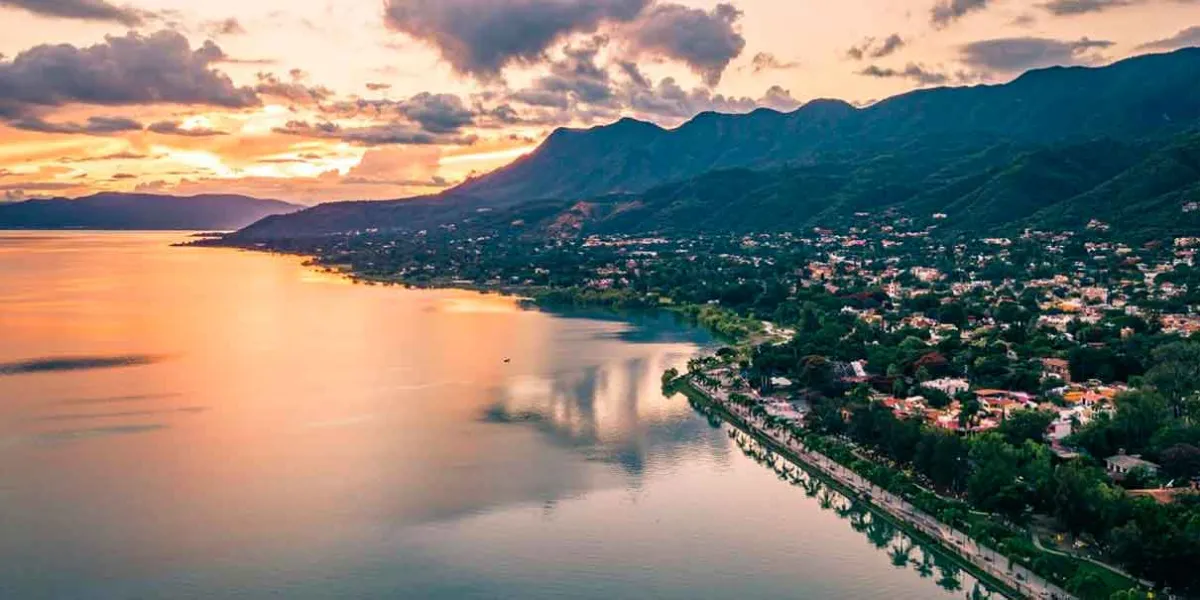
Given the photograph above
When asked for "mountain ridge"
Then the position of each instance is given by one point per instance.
(912, 137)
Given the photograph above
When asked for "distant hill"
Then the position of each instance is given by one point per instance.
(141, 211)
(996, 155)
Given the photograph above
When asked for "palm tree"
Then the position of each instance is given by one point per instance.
(901, 553)
(925, 566)
(826, 501)
(979, 592)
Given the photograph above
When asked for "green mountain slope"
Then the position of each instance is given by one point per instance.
(1039, 150)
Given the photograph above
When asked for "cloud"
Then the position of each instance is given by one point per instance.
(1185, 38)
(437, 113)
(223, 27)
(84, 10)
(578, 90)
(295, 90)
(1078, 7)
(175, 128)
(575, 78)
(1013, 55)
(912, 71)
(411, 166)
(121, 71)
(946, 12)
(765, 61)
(705, 41)
(868, 48)
(378, 87)
(398, 133)
(670, 102)
(481, 37)
(93, 125)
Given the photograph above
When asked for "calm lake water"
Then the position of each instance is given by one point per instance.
(220, 424)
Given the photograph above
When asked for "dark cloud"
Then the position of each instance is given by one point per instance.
(93, 126)
(946, 12)
(1013, 55)
(1079, 7)
(437, 113)
(671, 102)
(912, 71)
(705, 41)
(85, 10)
(295, 90)
(765, 61)
(1024, 20)
(873, 48)
(121, 71)
(223, 27)
(398, 133)
(578, 90)
(75, 363)
(175, 128)
(378, 87)
(481, 37)
(576, 78)
(1183, 39)
(123, 155)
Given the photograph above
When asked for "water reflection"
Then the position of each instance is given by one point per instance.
(611, 413)
(879, 531)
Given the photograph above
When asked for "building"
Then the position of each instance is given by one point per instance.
(1056, 367)
(1122, 464)
(948, 386)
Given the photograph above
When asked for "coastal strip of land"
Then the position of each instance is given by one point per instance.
(1006, 576)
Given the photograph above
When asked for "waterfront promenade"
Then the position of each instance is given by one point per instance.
(1014, 576)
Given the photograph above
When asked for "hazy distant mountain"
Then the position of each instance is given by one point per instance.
(141, 211)
(945, 149)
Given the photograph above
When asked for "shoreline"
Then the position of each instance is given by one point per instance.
(830, 471)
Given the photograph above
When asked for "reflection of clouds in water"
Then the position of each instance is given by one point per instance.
(480, 304)
(115, 399)
(612, 413)
(76, 435)
(75, 363)
(187, 410)
(635, 327)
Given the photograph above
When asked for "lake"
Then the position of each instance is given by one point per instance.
(209, 423)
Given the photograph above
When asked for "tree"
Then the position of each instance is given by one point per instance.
(1003, 475)
(969, 413)
(1025, 425)
(1078, 497)
(1176, 373)
(1140, 414)
(1181, 461)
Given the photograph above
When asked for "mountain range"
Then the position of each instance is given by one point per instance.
(141, 212)
(1056, 146)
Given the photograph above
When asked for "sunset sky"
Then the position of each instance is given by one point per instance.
(316, 100)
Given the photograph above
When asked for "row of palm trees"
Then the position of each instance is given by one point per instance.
(881, 532)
